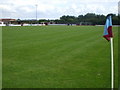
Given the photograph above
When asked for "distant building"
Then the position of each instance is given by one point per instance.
(7, 21)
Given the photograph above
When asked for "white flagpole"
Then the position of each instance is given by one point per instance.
(112, 65)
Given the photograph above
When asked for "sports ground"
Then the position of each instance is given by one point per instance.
(57, 57)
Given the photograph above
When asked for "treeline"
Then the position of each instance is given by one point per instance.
(88, 19)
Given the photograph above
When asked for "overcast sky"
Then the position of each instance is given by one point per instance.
(54, 9)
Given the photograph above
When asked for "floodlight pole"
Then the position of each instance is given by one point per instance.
(36, 11)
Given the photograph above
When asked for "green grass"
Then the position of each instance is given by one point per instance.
(57, 57)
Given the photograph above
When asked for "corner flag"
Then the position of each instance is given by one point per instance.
(108, 28)
(108, 35)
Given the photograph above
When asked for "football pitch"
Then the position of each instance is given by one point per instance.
(57, 57)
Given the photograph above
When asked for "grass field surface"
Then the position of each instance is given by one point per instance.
(57, 57)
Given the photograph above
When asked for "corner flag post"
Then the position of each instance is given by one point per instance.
(112, 64)
(108, 35)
